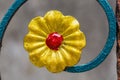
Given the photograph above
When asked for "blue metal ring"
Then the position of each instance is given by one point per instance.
(83, 67)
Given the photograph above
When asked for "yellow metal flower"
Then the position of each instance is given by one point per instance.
(54, 41)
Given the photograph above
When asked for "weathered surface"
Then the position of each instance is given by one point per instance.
(118, 37)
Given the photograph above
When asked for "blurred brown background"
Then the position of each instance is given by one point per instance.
(14, 62)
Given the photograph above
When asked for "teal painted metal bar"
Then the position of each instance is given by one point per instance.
(83, 67)
(9, 15)
(108, 46)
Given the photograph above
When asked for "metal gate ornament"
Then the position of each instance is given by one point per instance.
(56, 49)
(54, 41)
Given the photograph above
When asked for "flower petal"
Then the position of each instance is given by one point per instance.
(54, 19)
(55, 62)
(69, 25)
(76, 39)
(67, 57)
(39, 26)
(51, 62)
(61, 61)
(32, 42)
(35, 55)
(45, 56)
(73, 52)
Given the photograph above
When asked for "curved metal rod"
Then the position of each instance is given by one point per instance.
(108, 46)
(83, 67)
(9, 15)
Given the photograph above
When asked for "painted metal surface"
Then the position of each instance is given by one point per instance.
(83, 67)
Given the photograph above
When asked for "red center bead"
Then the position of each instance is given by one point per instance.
(54, 40)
